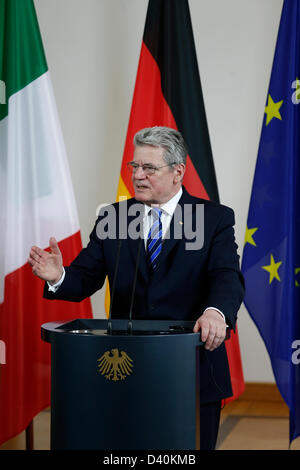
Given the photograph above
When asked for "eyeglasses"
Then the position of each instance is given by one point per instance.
(147, 168)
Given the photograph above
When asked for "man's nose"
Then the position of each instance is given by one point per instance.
(139, 173)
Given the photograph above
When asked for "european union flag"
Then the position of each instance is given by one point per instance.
(271, 258)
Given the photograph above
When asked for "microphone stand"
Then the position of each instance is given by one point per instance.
(129, 329)
(109, 324)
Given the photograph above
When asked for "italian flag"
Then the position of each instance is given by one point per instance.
(36, 202)
(168, 93)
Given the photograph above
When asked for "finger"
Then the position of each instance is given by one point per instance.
(32, 260)
(205, 333)
(215, 343)
(34, 256)
(35, 250)
(54, 246)
(209, 341)
(218, 339)
(197, 327)
(35, 269)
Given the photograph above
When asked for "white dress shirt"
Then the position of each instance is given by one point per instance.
(168, 209)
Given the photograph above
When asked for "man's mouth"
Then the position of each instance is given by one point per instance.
(140, 186)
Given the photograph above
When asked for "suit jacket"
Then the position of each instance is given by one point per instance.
(185, 282)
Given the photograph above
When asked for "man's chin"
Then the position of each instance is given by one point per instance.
(143, 199)
(142, 196)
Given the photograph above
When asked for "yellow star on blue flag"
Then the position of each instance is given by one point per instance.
(272, 268)
(272, 110)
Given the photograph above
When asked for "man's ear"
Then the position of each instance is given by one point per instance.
(179, 172)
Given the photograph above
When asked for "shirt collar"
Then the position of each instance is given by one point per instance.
(169, 206)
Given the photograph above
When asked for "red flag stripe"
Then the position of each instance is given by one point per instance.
(235, 366)
(21, 315)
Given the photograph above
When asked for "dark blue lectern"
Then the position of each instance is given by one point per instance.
(135, 390)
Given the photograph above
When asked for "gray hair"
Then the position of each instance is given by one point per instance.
(175, 149)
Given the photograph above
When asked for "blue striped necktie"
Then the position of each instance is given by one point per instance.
(154, 240)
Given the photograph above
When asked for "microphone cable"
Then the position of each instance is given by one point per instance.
(109, 324)
(129, 330)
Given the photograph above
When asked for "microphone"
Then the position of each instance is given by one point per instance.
(109, 324)
(129, 329)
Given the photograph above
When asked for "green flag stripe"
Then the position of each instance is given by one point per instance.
(22, 57)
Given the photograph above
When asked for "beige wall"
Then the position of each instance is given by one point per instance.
(92, 48)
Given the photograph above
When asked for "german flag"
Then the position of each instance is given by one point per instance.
(168, 93)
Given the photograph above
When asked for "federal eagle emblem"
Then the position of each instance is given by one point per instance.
(115, 365)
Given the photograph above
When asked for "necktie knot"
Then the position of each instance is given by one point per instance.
(156, 213)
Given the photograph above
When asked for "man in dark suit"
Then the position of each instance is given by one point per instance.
(188, 265)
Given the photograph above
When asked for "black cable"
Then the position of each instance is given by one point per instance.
(134, 285)
(109, 324)
(211, 366)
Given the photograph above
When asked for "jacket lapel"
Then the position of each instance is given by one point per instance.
(175, 233)
(136, 244)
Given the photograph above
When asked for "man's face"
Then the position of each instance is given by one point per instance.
(163, 184)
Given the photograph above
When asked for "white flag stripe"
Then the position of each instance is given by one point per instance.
(36, 194)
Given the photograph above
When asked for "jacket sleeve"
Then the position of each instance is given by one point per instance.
(225, 281)
(85, 275)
